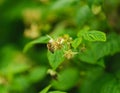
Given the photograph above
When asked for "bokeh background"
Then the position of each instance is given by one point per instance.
(22, 21)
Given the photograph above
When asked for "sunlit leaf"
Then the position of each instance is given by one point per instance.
(56, 92)
(17, 68)
(60, 4)
(41, 40)
(4, 89)
(45, 90)
(94, 36)
(76, 42)
(56, 58)
(101, 49)
(112, 86)
(83, 30)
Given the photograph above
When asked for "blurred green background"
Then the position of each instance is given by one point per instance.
(21, 21)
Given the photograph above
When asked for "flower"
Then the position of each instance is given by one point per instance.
(69, 54)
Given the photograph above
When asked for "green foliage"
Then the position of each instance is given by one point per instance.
(59, 5)
(76, 42)
(94, 36)
(107, 84)
(37, 74)
(112, 86)
(56, 58)
(64, 79)
(83, 15)
(57, 92)
(45, 90)
(96, 2)
(101, 49)
(41, 40)
(59, 46)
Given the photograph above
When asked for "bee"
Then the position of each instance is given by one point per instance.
(50, 47)
(53, 45)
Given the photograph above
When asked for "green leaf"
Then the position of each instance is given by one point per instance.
(118, 71)
(66, 79)
(94, 80)
(45, 90)
(61, 4)
(56, 92)
(83, 30)
(56, 58)
(112, 86)
(83, 15)
(101, 63)
(58, 30)
(76, 42)
(20, 83)
(40, 40)
(94, 36)
(4, 88)
(17, 68)
(37, 74)
(98, 50)
(96, 2)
